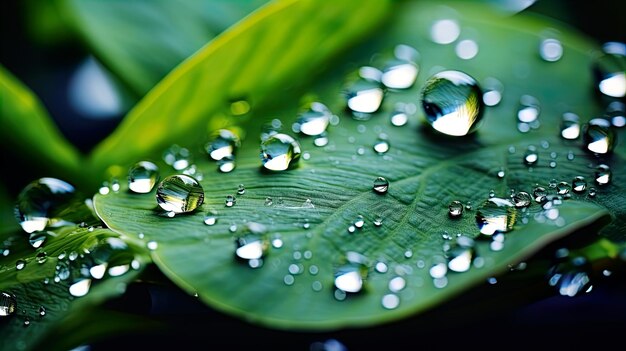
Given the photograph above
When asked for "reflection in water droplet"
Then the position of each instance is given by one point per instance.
(563, 188)
(80, 287)
(531, 156)
(349, 276)
(20, 264)
(210, 218)
(313, 119)
(41, 202)
(390, 301)
(445, 31)
(8, 304)
(570, 126)
(452, 102)
(466, 49)
(381, 185)
(522, 199)
(230, 201)
(496, 215)
(37, 239)
(142, 177)
(399, 74)
(179, 194)
(592, 192)
(365, 96)
(609, 73)
(280, 152)
(579, 184)
(551, 50)
(603, 174)
(177, 157)
(455, 209)
(598, 136)
(222, 143)
(381, 145)
(616, 112)
(226, 164)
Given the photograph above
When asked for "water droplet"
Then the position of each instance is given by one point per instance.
(603, 174)
(461, 255)
(529, 109)
(571, 277)
(579, 184)
(390, 301)
(381, 267)
(41, 203)
(455, 209)
(616, 112)
(269, 201)
(179, 194)
(563, 188)
(210, 218)
(501, 173)
(359, 222)
(26, 321)
(445, 31)
(522, 199)
(142, 177)
(226, 164)
(289, 279)
(452, 102)
(73, 255)
(378, 221)
(222, 143)
(531, 156)
(493, 91)
(152, 245)
(466, 49)
(496, 215)
(177, 157)
(20, 264)
(492, 193)
(349, 276)
(80, 287)
(598, 136)
(608, 69)
(438, 270)
(313, 119)
(280, 152)
(252, 246)
(570, 126)
(551, 50)
(37, 239)
(8, 304)
(42, 311)
(104, 188)
(381, 185)
(592, 192)
(399, 74)
(396, 284)
(41, 257)
(230, 201)
(381, 145)
(399, 117)
(364, 97)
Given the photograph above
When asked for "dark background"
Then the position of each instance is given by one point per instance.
(519, 312)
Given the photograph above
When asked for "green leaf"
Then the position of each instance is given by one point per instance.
(34, 285)
(286, 39)
(426, 171)
(28, 133)
(143, 40)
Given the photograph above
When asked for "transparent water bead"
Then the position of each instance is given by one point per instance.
(540, 194)
(571, 276)
(603, 174)
(570, 126)
(563, 188)
(226, 165)
(381, 146)
(381, 185)
(351, 273)
(80, 287)
(251, 247)
(365, 96)
(493, 90)
(230, 201)
(531, 156)
(179, 194)
(579, 184)
(522, 199)
(399, 117)
(610, 70)
(616, 112)
(551, 50)
(37, 239)
(8, 304)
(313, 119)
(452, 103)
(280, 152)
(461, 255)
(598, 136)
(142, 177)
(399, 74)
(455, 209)
(41, 203)
(496, 215)
(529, 109)
(222, 143)
(178, 157)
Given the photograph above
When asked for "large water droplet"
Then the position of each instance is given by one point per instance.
(579, 184)
(563, 188)
(610, 71)
(142, 177)
(179, 193)
(280, 152)
(381, 185)
(570, 126)
(598, 136)
(351, 273)
(177, 157)
(496, 215)
(603, 174)
(455, 209)
(41, 203)
(452, 102)
(313, 120)
(365, 96)
(522, 199)
(8, 304)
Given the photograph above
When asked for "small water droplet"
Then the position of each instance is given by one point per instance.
(313, 119)
(20, 264)
(178, 157)
(381, 267)
(104, 188)
(455, 209)
(551, 50)
(522, 199)
(351, 273)
(210, 218)
(496, 215)
(280, 152)
(359, 222)
(80, 287)
(8, 304)
(252, 246)
(493, 92)
(461, 254)
(41, 257)
(531, 156)
(42, 311)
(438, 270)
(452, 103)
(445, 31)
(598, 136)
(351, 229)
(152, 245)
(288, 279)
(42, 202)
(396, 284)
(381, 185)
(563, 188)
(269, 201)
(364, 96)
(399, 74)
(608, 70)
(142, 177)
(466, 49)
(226, 164)
(529, 109)
(378, 221)
(26, 321)
(592, 192)
(73, 256)
(570, 126)
(603, 175)
(579, 184)
(399, 117)
(390, 301)
(37, 239)
(230, 201)
(179, 194)
(616, 112)
(492, 193)
(381, 145)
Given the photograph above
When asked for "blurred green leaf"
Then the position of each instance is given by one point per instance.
(29, 134)
(143, 40)
(426, 172)
(268, 53)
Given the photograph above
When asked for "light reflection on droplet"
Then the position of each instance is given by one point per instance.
(390, 301)
(445, 31)
(570, 126)
(551, 50)
(466, 49)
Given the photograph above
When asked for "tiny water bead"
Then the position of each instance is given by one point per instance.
(313, 120)
(210, 218)
(390, 301)
(142, 177)
(616, 112)
(41, 202)
(230, 201)
(452, 103)
(381, 185)
(8, 304)
(570, 126)
(399, 117)
(280, 152)
(351, 273)
(455, 209)
(226, 164)
(222, 143)
(579, 184)
(598, 136)
(42, 311)
(610, 70)
(496, 215)
(563, 188)
(551, 50)
(461, 255)
(178, 157)
(592, 192)
(179, 194)
(365, 96)
(522, 199)
(603, 174)
(466, 49)
(493, 90)
(20, 264)
(381, 146)
(241, 189)
(359, 222)
(531, 156)
(529, 109)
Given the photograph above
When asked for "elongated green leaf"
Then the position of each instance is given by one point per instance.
(311, 208)
(28, 133)
(264, 54)
(143, 40)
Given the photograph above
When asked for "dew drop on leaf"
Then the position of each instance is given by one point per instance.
(142, 177)
(280, 152)
(179, 194)
(41, 202)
